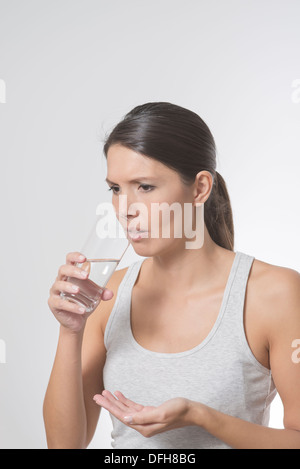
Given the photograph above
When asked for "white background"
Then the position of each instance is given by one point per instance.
(72, 69)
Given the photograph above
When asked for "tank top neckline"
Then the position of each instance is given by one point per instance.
(212, 331)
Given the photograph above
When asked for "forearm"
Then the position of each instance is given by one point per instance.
(240, 434)
(64, 410)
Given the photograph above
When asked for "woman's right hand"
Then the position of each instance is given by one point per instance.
(66, 312)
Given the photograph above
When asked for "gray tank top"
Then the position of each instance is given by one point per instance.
(220, 372)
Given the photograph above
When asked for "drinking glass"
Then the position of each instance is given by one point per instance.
(103, 251)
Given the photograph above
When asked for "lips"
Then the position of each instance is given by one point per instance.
(136, 233)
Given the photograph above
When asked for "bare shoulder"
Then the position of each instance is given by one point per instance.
(275, 291)
(274, 279)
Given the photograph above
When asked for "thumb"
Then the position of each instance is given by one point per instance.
(107, 294)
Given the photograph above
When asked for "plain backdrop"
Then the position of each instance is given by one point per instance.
(70, 70)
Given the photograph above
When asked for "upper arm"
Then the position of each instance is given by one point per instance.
(94, 353)
(284, 329)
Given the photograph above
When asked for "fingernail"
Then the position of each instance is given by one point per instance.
(128, 419)
(83, 273)
(82, 309)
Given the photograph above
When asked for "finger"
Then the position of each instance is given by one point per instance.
(63, 304)
(108, 395)
(74, 257)
(108, 400)
(67, 270)
(64, 286)
(128, 402)
(111, 406)
(107, 294)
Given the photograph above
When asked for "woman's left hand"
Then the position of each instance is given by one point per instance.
(147, 420)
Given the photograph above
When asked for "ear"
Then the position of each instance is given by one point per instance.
(203, 187)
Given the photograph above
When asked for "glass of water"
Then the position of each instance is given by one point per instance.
(103, 250)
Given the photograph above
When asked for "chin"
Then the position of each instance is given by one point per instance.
(154, 247)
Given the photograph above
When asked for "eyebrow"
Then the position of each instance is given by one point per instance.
(138, 180)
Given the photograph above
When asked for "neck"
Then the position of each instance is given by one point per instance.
(188, 269)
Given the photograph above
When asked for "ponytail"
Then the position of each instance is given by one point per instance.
(218, 214)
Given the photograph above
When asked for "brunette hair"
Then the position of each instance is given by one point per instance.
(180, 139)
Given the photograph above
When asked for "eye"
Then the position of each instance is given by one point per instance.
(113, 188)
(146, 188)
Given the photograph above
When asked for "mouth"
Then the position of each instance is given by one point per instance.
(137, 234)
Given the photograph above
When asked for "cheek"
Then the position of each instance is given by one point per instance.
(170, 205)
(166, 220)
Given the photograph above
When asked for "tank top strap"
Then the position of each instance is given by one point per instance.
(119, 315)
(232, 324)
(239, 278)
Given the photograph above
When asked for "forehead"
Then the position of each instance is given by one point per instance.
(124, 163)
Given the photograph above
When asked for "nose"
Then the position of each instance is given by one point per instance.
(130, 221)
(127, 213)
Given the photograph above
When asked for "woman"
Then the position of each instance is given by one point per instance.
(188, 346)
